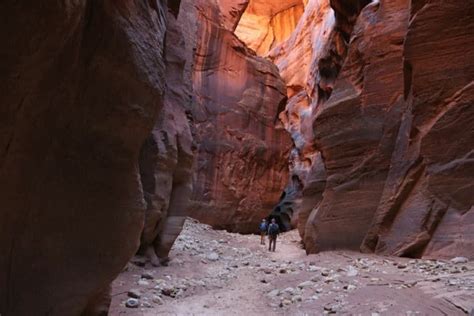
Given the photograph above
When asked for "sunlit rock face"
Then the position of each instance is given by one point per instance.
(382, 127)
(265, 24)
(298, 60)
(82, 86)
(242, 147)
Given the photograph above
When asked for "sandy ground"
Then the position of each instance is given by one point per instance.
(219, 273)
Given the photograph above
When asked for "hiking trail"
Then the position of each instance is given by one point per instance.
(214, 272)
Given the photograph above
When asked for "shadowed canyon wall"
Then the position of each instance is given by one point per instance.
(166, 158)
(381, 116)
(242, 155)
(83, 84)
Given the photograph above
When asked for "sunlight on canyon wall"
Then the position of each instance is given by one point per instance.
(265, 24)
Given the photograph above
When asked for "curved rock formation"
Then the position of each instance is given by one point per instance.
(115, 114)
(430, 182)
(241, 164)
(82, 85)
(374, 111)
(166, 158)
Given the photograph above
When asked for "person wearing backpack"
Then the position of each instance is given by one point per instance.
(273, 231)
(263, 231)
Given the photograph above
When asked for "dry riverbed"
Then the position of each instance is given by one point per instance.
(219, 273)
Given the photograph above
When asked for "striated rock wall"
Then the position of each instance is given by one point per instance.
(382, 126)
(299, 63)
(431, 179)
(83, 84)
(241, 163)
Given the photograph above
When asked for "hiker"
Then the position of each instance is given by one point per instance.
(263, 231)
(273, 231)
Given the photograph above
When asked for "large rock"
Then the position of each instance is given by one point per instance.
(241, 164)
(82, 86)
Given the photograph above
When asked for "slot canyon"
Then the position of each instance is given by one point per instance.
(149, 138)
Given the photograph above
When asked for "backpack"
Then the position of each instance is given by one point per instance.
(263, 227)
(273, 229)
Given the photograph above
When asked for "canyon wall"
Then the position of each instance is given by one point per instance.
(242, 147)
(381, 116)
(265, 24)
(120, 118)
(166, 157)
(83, 84)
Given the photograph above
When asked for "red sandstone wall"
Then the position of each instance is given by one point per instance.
(380, 114)
(83, 83)
(241, 164)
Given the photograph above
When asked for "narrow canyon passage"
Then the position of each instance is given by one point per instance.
(349, 121)
(214, 272)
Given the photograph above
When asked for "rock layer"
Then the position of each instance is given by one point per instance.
(82, 86)
(382, 126)
(241, 164)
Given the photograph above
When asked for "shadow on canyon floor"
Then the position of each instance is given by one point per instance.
(219, 273)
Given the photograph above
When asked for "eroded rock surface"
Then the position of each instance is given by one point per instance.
(166, 157)
(82, 86)
(382, 126)
(241, 164)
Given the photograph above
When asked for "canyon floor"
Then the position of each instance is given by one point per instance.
(219, 273)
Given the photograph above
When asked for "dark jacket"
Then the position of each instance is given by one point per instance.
(273, 229)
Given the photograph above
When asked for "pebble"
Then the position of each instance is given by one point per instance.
(289, 290)
(267, 271)
(331, 309)
(285, 302)
(147, 275)
(134, 293)
(352, 271)
(132, 303)
(168, 291)
(139, 261)
(458, 260)
(147, 305)
(213, 256)
(157, 299)
(349, 287)
(302, 285)
(274, 293)
(143, 283)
